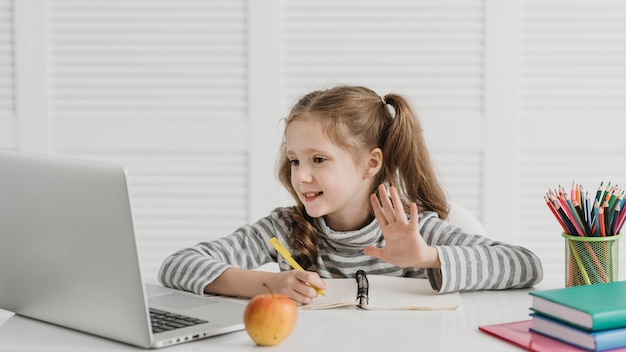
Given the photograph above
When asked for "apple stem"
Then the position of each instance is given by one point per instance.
(268, 288)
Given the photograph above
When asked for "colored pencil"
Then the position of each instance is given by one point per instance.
(580, 215)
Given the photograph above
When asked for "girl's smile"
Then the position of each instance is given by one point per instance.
(311, 196)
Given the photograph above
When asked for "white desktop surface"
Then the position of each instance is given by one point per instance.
(341, 329)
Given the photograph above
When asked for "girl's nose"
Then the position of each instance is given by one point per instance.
(302, 174)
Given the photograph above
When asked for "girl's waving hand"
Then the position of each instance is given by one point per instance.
(404, 246)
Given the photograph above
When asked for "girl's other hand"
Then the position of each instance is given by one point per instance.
(404, 247)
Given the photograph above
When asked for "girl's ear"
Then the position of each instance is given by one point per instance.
(374, 162)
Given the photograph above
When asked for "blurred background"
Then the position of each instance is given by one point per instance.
(188, 95)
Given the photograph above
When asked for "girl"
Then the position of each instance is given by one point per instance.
(367, 198)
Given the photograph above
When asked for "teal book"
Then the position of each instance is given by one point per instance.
(590, 307)
(603, 340)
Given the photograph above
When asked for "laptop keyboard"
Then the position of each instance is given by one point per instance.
(166, 321)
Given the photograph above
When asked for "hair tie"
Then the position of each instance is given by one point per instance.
(390, 108)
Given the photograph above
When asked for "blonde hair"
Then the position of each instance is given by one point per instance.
(357, 119)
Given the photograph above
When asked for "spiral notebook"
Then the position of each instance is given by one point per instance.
(386, 293)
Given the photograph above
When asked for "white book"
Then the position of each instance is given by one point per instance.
(386, 293)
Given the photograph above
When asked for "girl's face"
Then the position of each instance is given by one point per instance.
(328, 181)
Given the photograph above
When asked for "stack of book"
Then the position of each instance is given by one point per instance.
(592, 317)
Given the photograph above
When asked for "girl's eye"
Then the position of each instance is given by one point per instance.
(318, 160)
(294, 162)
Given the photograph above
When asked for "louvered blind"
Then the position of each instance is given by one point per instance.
(163, 87)
(573, 100)
(7, 100)
(430, 52)
(159, 87)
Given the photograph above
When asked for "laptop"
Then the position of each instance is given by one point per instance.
(68, 256)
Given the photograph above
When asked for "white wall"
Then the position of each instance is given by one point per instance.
(514, 96)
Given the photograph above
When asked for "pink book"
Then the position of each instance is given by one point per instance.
(517, 333)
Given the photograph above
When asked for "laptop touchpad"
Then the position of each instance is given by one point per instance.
(180, 302)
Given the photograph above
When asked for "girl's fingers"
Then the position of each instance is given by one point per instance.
(397, 205)
(387, 207)
(384, 197)
(392, 204)
(378, 211)
(414, 216)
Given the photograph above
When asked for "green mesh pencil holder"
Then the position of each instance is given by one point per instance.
(591, 260)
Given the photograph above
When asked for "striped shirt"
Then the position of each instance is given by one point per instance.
(468, 262)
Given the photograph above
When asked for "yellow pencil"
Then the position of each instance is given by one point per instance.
(294, 264)
(581, 267)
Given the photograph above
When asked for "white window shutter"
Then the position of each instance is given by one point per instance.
(572, 100)
(159, 87)
(7, 92)
(430, 52)
(187, 95)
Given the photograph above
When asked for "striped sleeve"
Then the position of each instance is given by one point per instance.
(191, 269)
(474, 262)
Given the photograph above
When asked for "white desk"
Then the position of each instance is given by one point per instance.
(343, 329)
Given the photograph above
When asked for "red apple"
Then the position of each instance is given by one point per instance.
(270, 318)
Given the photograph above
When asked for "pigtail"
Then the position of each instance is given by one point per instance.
(304, 237)
(406, 161)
